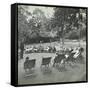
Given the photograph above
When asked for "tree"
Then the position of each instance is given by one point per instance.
(22, 24)
(65, 18)
(37, 23)
(22, 28)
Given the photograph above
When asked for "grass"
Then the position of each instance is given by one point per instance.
(52, 75)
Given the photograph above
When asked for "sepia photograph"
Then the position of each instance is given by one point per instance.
(52, 44)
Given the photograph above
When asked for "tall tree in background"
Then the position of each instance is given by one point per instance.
(22, 23)
(82, 24)
(37, 23)
(63, 18)
(22, 29)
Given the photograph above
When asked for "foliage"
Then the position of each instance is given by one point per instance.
(66, 23)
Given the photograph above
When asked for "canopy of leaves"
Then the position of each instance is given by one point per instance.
(68, 19)
(22, 24)
(66, 23)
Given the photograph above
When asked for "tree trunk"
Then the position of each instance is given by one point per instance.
(62, 36)
(22, 50)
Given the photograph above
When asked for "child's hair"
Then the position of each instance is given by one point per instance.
(27, 58)
(81, 49)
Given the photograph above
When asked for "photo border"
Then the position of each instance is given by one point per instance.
(16, 39)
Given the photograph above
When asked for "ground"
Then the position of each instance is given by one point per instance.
(77, 72)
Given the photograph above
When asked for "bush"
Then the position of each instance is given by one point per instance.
(73, 35)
